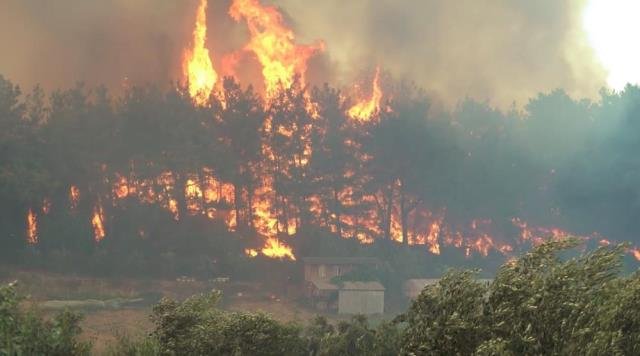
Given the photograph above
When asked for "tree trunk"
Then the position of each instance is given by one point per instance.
(388, 212)
(237, 203)
(403, 215)
(338, 212)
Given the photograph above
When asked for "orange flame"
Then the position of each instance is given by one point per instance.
(32, 228)
(98, 223)
(366, 109)
(274, 248)
(432, 238)
(483, 245)
(251, 252)
(121, 187)
(636, 253)
(274, 45)
(197, 66)
(604, 242)
(173, 208)
(193, 195)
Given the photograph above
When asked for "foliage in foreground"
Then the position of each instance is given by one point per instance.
(24, 332)
(540, 304)
(543, 303)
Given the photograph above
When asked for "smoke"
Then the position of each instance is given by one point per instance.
(58, 43)
(501, 51)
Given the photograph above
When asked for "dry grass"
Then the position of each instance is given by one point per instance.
(103, 328)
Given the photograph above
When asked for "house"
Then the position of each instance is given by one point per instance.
(361, 298)
(325, 268)
(348, 297)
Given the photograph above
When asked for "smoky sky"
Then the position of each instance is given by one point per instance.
(503, 51)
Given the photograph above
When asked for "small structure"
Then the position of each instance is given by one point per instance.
(361, 298)
(323, 295)
(349, 297)
(325, 268)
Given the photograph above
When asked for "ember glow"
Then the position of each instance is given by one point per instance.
(197, 66)
(46, 206)
(368, 108)
(32, 228)
(74, 196)
(273, 44)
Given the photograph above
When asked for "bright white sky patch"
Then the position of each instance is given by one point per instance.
(613, 29)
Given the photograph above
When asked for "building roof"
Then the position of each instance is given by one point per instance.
(340, 261)
(363, 286)
(323, 285)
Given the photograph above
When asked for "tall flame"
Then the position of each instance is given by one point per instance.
(98, 223)
(366, 109)
(197, 66)
(32, 228)
(274, 45)
(276, 249)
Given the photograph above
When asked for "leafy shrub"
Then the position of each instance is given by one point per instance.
(354, 337)
(539, 304)
(197, 327)
(24, 332)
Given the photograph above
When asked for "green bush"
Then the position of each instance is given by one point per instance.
(24, 332)
(539, 304)
(197, 327)
(125, 346)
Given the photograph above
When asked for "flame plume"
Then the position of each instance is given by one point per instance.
(274, 45)
(366, 109)
(32, 228)
(98, 223)
(197, 66)
(276, 249)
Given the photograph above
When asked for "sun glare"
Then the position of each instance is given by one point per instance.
(612, 28)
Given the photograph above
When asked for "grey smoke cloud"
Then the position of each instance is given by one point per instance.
(498, 50)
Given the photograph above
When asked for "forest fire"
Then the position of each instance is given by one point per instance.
(197, 66)
(366, 109)
(304, 162)
(32, 228)
(273, 43)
